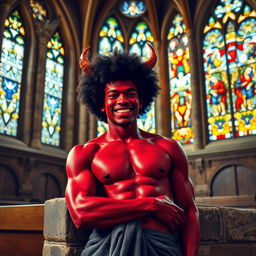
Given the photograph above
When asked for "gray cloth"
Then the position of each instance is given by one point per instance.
(130, 239)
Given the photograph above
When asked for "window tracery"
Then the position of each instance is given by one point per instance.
(11, 67)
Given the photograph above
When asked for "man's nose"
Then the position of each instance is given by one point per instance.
(122, 99)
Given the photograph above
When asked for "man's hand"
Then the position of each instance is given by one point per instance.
(168, 212)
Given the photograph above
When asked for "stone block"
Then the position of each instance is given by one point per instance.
(240, 224)
(229, 250)
(58, 225)
(211, 224)
(58, 249)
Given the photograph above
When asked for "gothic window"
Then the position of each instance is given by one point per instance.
(229, 48)
(53, 92)
(11, 65)
(179, 80)
(133, 8)
(111, 37)
(138, 44)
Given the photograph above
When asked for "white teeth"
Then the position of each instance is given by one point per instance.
(123, 110)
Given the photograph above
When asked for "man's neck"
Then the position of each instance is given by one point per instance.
(124, 133)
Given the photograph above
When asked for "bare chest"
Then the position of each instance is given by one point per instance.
(118, 161)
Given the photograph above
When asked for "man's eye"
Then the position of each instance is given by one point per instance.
(131, 94)
(112, 96)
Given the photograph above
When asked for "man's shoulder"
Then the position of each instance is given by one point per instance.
(85, 149)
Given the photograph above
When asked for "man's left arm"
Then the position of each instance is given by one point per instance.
(183, 195)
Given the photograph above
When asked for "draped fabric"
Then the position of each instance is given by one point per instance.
(130, 239)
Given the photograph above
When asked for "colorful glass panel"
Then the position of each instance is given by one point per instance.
(11, 66)
(229, 52)
(180, 84)
(53, 91)
(111, 37)
(138, 44)
(39, 11)
(133, 8)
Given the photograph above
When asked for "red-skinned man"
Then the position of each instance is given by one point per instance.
(130, 186)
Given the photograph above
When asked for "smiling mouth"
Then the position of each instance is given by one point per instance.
(125, 110)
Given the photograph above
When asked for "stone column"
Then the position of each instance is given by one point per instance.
(195, 88)
(44, 33)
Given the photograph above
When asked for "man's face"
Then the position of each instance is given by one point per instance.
(122, 102)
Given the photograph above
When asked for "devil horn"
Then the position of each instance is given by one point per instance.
(151, 61)
(84, 62)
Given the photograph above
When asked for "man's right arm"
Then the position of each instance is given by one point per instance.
(91, 211)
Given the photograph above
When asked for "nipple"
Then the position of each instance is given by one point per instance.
(106, 176)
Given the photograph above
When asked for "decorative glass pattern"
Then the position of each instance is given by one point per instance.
(229, 52)
(138, 44)
(180, 84)
(111, 37)
(11, 66)
(133, 8)
(53, 91)
(38, 8)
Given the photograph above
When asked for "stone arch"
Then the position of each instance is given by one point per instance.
(233, 180)
(9, 184)
(46, 186)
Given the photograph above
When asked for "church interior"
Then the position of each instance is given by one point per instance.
(207, 74)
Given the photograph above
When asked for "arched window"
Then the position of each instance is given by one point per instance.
(229, 48)
(138, 44)
(53, 91)
(111, 37)
(179, 80)
(11, 66)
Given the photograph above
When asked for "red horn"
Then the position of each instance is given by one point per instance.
(84, 62)
(151, 61)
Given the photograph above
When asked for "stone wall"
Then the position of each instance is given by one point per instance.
(224, 231)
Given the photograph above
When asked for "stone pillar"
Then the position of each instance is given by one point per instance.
(44, 32)
(195, 89)
(61, 236)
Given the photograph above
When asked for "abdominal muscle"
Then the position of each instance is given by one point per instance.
(148, 187)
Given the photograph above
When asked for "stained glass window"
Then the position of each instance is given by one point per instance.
(229, 52)
(111, 37)
(179, 79)
(133, 8)
(52, 107)
(11, 66)
(138, 44)
(39, 11)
